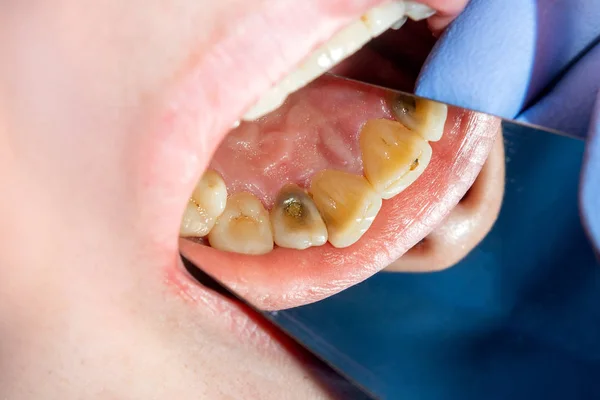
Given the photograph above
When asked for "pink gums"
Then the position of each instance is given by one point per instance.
(316, 129)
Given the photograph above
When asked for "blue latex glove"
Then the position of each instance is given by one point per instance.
(502, 56)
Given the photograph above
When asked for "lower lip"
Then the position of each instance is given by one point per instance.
(249, 326)
(254, 330)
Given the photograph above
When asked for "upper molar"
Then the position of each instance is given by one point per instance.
(296, 221)
(393, 156)
(348, 204)
(204, 206)
(426, 117)
(243, 227)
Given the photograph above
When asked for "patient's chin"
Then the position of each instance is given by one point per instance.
(466, 225)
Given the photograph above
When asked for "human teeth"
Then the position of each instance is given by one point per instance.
(340, 46)
(295, 220)
(204, 206)
(348, 204)
(393, 156)
(425, 117)
(243, 227)
(399, 23)
(379, 19)
(417, 11)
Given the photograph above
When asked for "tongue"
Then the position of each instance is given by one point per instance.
(316, 129)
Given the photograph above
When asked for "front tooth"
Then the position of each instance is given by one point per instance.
(423, 116)
(243, 227)
(417, 11)
(348, 204)
(379, 19)
(343, 44)
(295, 220)
(205, 205)
(393, 156)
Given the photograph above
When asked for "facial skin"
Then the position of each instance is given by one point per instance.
(109, 113)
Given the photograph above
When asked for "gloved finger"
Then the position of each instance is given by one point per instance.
(568, 106)
(590, 179)
(499, 54)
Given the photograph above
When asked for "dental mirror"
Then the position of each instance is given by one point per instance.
(373, 328)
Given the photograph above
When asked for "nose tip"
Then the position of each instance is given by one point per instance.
(466, 225)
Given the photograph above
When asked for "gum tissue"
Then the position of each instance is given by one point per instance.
(317, 128)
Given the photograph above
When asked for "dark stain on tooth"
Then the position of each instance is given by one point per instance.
(195, 203)
(293, 201)
(405, 104)
(195, 239)
(294, 208)
(414, 164)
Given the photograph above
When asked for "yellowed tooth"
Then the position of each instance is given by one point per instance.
(426, 117)
(244, 226)
(348, 204)
(204, 206)
(393, 156)
(295, 220)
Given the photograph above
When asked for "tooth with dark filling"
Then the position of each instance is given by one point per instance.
(295, 220)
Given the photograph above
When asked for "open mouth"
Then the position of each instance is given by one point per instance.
(323, 181)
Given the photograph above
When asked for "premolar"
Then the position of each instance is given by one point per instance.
(295, 220)
(426, 117)
(348, 204)
(204, 206)
(244, 226)
(393, 156)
